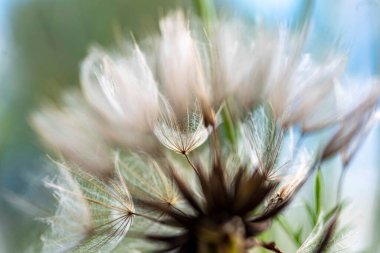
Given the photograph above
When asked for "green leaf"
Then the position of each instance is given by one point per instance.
(229, 126)
(318, 192)
(205, 9)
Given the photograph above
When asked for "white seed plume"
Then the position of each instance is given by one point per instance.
(264, 139)
(72, 221)
(179, 62)
(356, 106)
(122, 89)
(300, 90)
(240, 63)
(72, 131)
(92, 215)
(181, 134)
(154, 185)
(356, 97)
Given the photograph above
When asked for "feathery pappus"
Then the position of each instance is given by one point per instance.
(196, 143)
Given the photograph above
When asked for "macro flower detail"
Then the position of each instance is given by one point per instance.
(124, 92)
(184, 134)
(179, 62)
(91, 214)
(220, 198)
(80, 140)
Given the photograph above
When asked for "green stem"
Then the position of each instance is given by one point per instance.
(229, 126)
(318, 192)
(205, 9)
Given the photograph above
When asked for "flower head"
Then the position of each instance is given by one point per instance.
(275, 91)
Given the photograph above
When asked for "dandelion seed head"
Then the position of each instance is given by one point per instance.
(277, 93)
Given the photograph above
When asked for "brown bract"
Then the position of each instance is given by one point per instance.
(222, 217)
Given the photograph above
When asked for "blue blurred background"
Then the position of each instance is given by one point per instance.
(43, 41)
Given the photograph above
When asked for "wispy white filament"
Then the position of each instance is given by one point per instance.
(181, 134)
(72, 221)
(74, 133)
(91, 215)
